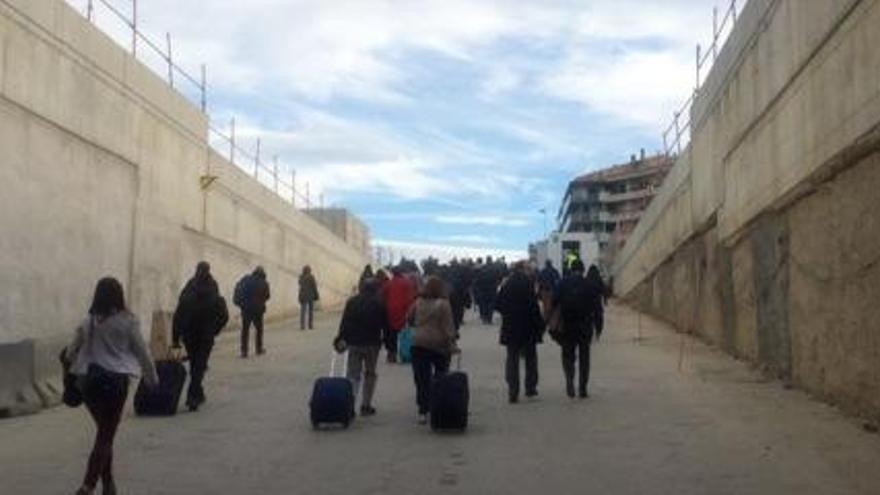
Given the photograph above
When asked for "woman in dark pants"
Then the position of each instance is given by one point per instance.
(308, 295)
(433, 340)
(107, 350)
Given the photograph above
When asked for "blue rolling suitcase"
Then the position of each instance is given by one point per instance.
(332, 399)
(450, 397)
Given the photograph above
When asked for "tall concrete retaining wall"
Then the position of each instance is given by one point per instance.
(766, 237)
(102, 169)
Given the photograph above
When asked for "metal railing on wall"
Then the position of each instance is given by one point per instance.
(678, 133)
(272, 176)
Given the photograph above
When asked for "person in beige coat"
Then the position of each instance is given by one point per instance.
(433, 340)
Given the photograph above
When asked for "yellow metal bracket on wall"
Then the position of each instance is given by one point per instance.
(206, 180)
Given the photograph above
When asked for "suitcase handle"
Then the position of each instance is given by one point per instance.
(333, 358)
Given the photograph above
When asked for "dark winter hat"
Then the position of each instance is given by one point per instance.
(577, 266)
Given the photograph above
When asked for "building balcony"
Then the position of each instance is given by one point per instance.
(609, 197)
(624, 216)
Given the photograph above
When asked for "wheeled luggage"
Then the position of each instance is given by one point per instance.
(404, 345)
(161, 400)
(449, 400)
(332, 398)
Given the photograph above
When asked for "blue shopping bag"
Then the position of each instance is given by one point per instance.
(404, 345)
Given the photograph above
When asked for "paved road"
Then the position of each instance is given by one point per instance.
(710, 427)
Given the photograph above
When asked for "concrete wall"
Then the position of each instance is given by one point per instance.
(765, 238)
(341, 222)
(101, 169)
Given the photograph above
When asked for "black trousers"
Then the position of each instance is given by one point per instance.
(528, 352)
(199, 352)
(389, 338)
(246, 320)
(306, 312)
(579, 351)
(426, 365)
(458, 314)
(486, 310)
(104, 402)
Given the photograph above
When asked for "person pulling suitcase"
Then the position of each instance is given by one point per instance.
(363, 321)
(433, 341)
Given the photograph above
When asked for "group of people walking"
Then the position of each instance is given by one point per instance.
(531, 303)
(108, 349)
(376, 316)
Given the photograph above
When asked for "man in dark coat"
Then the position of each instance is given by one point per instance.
(458, 289)
(361, 329)
(580, 312)
(200, 315)
(485, 288)
(521, 329)
(252, 293)
(308, 295)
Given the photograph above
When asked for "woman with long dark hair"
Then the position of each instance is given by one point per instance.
(107, 350)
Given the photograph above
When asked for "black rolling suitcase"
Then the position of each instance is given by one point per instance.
(332, 398)
(161, 400)
(449, 401)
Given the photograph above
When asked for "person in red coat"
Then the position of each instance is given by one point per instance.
(399, 294)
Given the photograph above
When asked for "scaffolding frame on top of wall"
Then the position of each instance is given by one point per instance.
(273, 175)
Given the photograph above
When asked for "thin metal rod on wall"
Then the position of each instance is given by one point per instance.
(232, 140)
(134, 28)
(275, 171)
(170, 63)
(257, 161)
(204, 87)
(714, 33)
(89, 9)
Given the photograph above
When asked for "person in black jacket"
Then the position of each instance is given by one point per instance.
(361, 328)
(251, 294)
(521, 329)
(308, 295)
(485, 288)
(200, 315)
(580, 314)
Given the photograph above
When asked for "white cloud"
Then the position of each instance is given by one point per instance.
(492, 220)
(641, 88)
(391, 251)
(469, 239)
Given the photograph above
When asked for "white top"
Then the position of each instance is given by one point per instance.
(115, 343)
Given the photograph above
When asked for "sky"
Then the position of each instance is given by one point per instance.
(446, 125)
